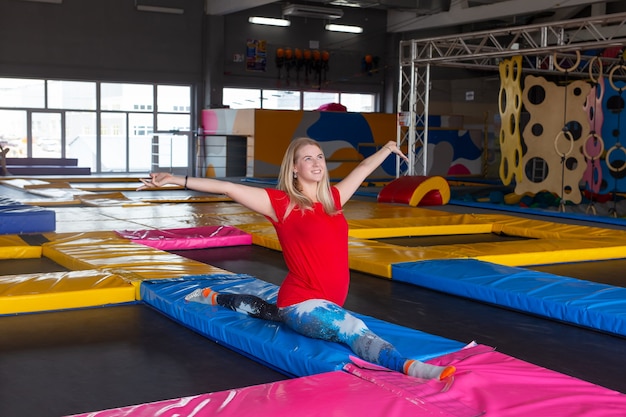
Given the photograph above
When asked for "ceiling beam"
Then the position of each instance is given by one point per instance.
(460, 14)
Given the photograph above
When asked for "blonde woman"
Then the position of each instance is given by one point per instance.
(306, 212)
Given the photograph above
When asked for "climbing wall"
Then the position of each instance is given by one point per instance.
(510, 105)
(613, 160)
(593, 145)
(554, 137)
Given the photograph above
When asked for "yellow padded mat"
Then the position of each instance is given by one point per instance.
(418, 226)
(102, 250)
(263, 234)
(62, 290)
(14, 247)
(545, 243)
(107, 250)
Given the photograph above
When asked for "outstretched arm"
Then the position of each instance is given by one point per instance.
(254, 198)
(348, 186)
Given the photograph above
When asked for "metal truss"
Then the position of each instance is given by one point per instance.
(545, 48)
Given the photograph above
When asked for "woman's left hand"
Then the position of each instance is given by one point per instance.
(393, 147)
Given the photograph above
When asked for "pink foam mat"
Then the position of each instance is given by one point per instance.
(501, 385)
(329, 394)
(188, 238)
(486, 383)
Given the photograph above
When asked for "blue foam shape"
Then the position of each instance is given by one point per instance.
(20, 219)
(585, 303)
(271, 343)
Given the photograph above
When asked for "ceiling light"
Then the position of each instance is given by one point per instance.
(344, 28)
(47, 1)
(268, 21)
(159, 9)
(302, 10)
(348, 3)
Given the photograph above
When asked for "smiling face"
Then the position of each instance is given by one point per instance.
(309, 164)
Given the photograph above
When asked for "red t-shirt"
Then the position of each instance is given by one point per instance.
(315, 248)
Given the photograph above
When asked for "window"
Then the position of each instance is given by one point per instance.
(173, 122)
(80, 138)
(71, 95)
(13, 132)
(242, 98)
(126, 97)
(16, 93)
(245, 98)
(67, 124)
(362, 103)
(46, 131)
(113, 142)
(175, 99)
(140, 141)
(313, 100)
(281, 100)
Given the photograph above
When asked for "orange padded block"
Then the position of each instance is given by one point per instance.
(415, 191)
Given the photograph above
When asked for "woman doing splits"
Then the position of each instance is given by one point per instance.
(306, 212)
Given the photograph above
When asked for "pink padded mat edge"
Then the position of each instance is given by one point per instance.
(188, 238)
(505, 386)
(328, 394)
(486, 383)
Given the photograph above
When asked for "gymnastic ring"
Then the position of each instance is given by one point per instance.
(608, 154)
(592, 209)
(595, 80)
(569, 137)
(599, 138)
(557, 66)
(615, 68)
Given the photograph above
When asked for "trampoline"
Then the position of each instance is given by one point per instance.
(66, 362)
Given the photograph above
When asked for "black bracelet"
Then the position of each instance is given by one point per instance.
(186, 178)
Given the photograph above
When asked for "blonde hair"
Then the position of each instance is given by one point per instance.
(289, 184)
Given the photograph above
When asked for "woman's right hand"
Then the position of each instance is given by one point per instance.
(156, 180)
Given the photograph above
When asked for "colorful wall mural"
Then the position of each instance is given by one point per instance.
(346, 138)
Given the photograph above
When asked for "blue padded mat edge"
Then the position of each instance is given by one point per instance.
(17, 218)
(273, 343)
(584, 303)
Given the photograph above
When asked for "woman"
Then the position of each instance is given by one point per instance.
(306, 212)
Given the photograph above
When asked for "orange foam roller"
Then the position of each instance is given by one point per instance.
(419, 190)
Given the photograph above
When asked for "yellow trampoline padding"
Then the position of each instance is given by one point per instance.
(455, 224)
(185, 267)
(62, 290)
(23, 183)
(376, 258)
(14, 247)
(355, 209)
(108, 200)
(108, 251)
(263, 234)
(516, 226)
(188, 199)
(547, 251)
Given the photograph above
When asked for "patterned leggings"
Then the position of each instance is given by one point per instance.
(321, 319)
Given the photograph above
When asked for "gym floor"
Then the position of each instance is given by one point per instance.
(66, 362)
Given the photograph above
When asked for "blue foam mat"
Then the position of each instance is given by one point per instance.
(268, 342)
(584, 303)
(16, 218)
(540, 212)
